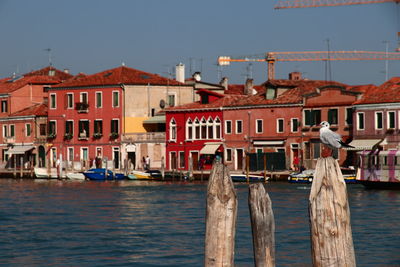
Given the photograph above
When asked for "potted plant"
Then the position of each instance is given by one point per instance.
(97, 135)
(51, 135)
(113, 135)
(68, 136)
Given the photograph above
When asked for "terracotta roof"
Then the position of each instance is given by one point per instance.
(297, 83)
(224, 101)
(388, 92)
(120, 75)
(45, 72)
(37, 110)
(238, 89)
(14, 84)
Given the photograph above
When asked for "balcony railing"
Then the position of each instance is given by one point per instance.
(157, 137)
(82, 107)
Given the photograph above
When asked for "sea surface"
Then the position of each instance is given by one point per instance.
(133, 223)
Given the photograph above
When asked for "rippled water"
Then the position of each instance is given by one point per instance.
(130, 223)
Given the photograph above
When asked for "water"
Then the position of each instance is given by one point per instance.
(131, 223)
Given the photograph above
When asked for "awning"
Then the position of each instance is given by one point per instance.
(269, 143)
(155, 120)
(17, 150)
(210, 148)
(365, 144)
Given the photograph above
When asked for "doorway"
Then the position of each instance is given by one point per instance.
(239, 158)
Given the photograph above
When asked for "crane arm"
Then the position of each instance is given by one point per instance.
(282, 4)
(331, 55)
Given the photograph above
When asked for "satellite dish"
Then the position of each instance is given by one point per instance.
(162, 103)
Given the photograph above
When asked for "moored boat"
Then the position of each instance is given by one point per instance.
(99, 175)
(75, 176)
(307, 176)
(238, 177)
(45, 173)
(139, 175)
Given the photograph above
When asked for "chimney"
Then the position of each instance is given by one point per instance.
(180, 72)
(295, 76)
(224, 82)
(248, 87)
(197, 76)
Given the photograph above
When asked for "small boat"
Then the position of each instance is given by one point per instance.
(307, 176)
(99, 175)
(139, 175)
(45, 173)
(238, 177)
(75, 176)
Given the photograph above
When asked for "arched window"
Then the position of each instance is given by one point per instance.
(197, 128)
(172, 130)
(210, 127)
(203, 125)
(189, 129)
(217, 126)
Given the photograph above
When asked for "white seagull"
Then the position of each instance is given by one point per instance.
(329, 138)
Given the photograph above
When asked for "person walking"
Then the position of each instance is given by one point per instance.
(147, 160)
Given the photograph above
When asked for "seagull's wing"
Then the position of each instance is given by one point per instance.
(330, 138)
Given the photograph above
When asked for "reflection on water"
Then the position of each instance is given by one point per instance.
(133, 223)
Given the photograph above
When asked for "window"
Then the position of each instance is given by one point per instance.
(204, 99)
(295, 125)
(70, 100)
(84, 97)
(99, 99)
(4, 106)
(312, 117)
(115, 99)
(197, 128)
(172, 130)
(210, 127)
(98, 127)
(333, 116)
(52, 128)
(259, 126)
(217, 128)
(42, 129)
(360, 121)
(228, 127)
(70, 155)
(317, 150)
(171, 100)
(203, 125)
(83, 129)
(189, 129)
(28, 129)
(114, 126)
(378, 120)
(69, 127)
(279, 125)
(53, 104)
(5, 131)
(349, 116)
(181, 159)
(228, 154)
(239, 127)
(391, 121)
(12, 130)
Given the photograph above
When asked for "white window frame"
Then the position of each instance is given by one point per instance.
(226, 127)
(5, 130)
(358, 120)
(53, 105)
(236, 126)
(189, 128)
(277, 125)
(101, 99)
(210, 125)
(203, 123)
(262, 126)
(119, 124)
(73, 126)
(81, 153)
(376, 119)
(292, 123)
(174, 97)
(345, 115)
(26, 129)
(72, 100)
(116, 149)
(69, 149)
(172, 130)
(217, 124)
(118, 104)
(226, 154)
(196, 124)
(179, 159)
(12, 126)
(81, 97)
(388, 119)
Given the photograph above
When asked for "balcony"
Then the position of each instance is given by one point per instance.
(82, 107)
(149, 137)
(9, 140)
(83, 136)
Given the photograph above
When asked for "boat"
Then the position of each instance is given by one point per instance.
(307, 176)
(139, 175)
(379, 169)
(99, 175)
(45, 173)
(75, 176)
(238, 177)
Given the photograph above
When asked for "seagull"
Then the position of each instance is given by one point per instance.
(329, 138)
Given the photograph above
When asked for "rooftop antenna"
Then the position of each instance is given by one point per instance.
(328, 74)
(48, 50)
(386, 61)
(249, 69)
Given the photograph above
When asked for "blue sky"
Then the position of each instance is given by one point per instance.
(154, 35)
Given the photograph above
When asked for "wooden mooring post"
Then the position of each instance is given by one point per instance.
(331, 237)
(262, 225)
(220, 218)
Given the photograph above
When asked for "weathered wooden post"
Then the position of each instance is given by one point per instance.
(21, 162)
(265, 168)
(331, 237)
(247, 167)
(262, 225)
(220, 218)
(15, 166)
(162, 168)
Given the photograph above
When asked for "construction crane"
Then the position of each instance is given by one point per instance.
(272, 57)
(319, 3)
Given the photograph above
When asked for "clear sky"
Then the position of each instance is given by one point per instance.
(154, 35)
